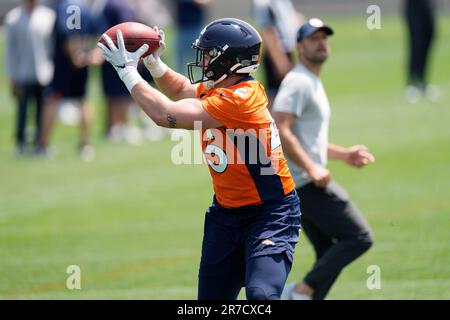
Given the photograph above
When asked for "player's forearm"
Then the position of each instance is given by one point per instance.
(175, 86)
(294, 150)
(152, 102)
(184, 114)
(336, 152)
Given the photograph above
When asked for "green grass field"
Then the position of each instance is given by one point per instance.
(133, 221)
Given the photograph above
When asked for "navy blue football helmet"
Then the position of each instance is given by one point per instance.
(225, 47)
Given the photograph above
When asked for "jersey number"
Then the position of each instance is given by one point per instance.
(216, 153)
(275, 140)
(213, 152)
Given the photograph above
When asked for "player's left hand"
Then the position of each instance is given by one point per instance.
(153, 61)
(120, 57)
(359, 156)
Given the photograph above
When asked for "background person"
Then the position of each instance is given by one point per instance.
(420, 16)
(190, 19)
(109, 13)
(28, 63)
(278, 21)
(72, 55)
(333, 224)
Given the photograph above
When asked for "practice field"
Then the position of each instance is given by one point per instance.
(133, 221)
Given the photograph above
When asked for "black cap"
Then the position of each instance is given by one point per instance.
(311, 26)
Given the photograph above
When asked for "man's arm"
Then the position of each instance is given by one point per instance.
(78, 50)
(165, 112)
(294, 150)
(356, 156)
(278, 57)
(175, 85)
(336, 152)
(172, 114)
(10, 58)
(265, 18)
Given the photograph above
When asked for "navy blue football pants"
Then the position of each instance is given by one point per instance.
(251, 247)
(264, 279)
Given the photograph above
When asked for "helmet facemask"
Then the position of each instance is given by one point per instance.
(210, 67)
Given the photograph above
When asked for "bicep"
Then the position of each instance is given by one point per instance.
(176, 86)
(189, 114)
(284, 120)
(291, 97)
(183, 114)
(188, 90)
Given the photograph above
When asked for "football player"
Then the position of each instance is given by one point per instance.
(252, 225)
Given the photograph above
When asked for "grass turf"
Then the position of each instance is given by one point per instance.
(133, 221)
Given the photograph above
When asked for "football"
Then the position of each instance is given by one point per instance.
(135, 35)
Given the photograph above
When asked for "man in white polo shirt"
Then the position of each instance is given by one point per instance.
(335, 227)
(28, 62)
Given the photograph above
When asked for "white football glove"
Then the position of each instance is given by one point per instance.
(122, 60)
(153, 61)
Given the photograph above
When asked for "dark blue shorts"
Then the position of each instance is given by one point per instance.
(112, 85)
(233, 236)
(69, 82)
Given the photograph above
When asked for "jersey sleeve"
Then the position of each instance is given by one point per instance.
(292, 97)
(222, 108)
(237, 107)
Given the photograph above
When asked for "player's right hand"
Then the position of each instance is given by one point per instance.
(119, 56)
(124, 61)
(319, 176)
(153, 61)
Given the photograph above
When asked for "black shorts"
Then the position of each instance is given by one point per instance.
(113, 87)
(69, 82)
(272, 81)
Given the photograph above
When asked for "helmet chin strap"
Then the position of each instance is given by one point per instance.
(210, 84)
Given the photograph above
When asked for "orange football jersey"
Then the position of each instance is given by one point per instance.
(244, 156)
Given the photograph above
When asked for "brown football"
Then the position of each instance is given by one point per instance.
(134, 35)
